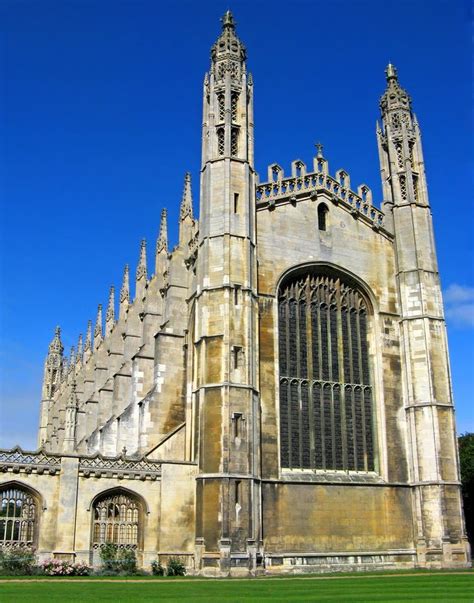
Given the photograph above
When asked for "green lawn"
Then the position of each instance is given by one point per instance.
(422, 587)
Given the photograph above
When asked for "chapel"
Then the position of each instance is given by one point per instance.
(276, 396)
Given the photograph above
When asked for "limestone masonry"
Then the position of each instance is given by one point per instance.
(277, 396)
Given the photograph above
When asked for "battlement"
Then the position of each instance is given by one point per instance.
(302, 185)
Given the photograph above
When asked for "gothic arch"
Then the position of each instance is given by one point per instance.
(20, 513)
(117, 516)
(326, 377)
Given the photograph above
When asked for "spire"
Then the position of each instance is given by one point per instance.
(110, 314)
(56, 346)
(395, 98)
(98, 335)
(124, 293)
(88, 344)
(222, 49)
(141, 268)
(187, 200)
(162, 241)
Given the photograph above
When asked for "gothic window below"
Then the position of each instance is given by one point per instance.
(326, 395)
(18, 517)
(116, 519)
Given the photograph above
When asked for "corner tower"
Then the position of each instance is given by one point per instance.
(433, 464)
(225, 329)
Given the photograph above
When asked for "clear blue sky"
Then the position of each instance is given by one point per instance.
(100, 117)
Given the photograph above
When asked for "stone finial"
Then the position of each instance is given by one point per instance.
(141, 268)
(125, 290)
(187, 200)
(162, 241)
(88, 344)
(391, 72)
(110, 314)
(319, 149)
(228, 21)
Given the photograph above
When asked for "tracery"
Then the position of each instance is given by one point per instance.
(326, 407)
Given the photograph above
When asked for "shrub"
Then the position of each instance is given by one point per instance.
(108, 555)
(127, 561)
(175, 568)
(116, 560)
(157, 569)
(59, 567)
(17, 561)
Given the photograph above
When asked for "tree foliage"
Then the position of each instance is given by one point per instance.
(466, 458)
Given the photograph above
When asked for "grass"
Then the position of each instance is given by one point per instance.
(386, 588)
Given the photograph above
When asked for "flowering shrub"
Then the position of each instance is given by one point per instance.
(17, 561)
(59, 567)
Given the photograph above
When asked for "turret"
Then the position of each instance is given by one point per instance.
(425, 368)
(226, 382)
(53, 367)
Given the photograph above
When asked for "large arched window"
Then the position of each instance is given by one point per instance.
(117, 519)
(18, 516)
(326, 407)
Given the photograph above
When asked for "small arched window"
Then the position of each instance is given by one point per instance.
(18, 516)
(117, 519)
(322, 216)
(326, 394)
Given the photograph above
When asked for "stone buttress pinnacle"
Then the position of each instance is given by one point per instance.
(88, 344)
(141, 268)
(98, 323)
(186, 208)
(125, 290)
(110, 314)
(162, 241)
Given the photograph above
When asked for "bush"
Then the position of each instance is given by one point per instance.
(157, 569)
(58, 567)
(17, 561)
(127, 561)
(116, 560)
(175, 568)
(108, 555)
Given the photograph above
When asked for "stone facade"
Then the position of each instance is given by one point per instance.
(277, 395)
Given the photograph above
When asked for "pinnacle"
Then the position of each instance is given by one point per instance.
(141, 268)
(125, 290)
(187, 200)
(162, 242)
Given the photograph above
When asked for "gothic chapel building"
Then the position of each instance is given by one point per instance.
(277, 396)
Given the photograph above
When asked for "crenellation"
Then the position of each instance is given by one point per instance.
(299, 188)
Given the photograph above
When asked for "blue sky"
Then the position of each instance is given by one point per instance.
(100, 110)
